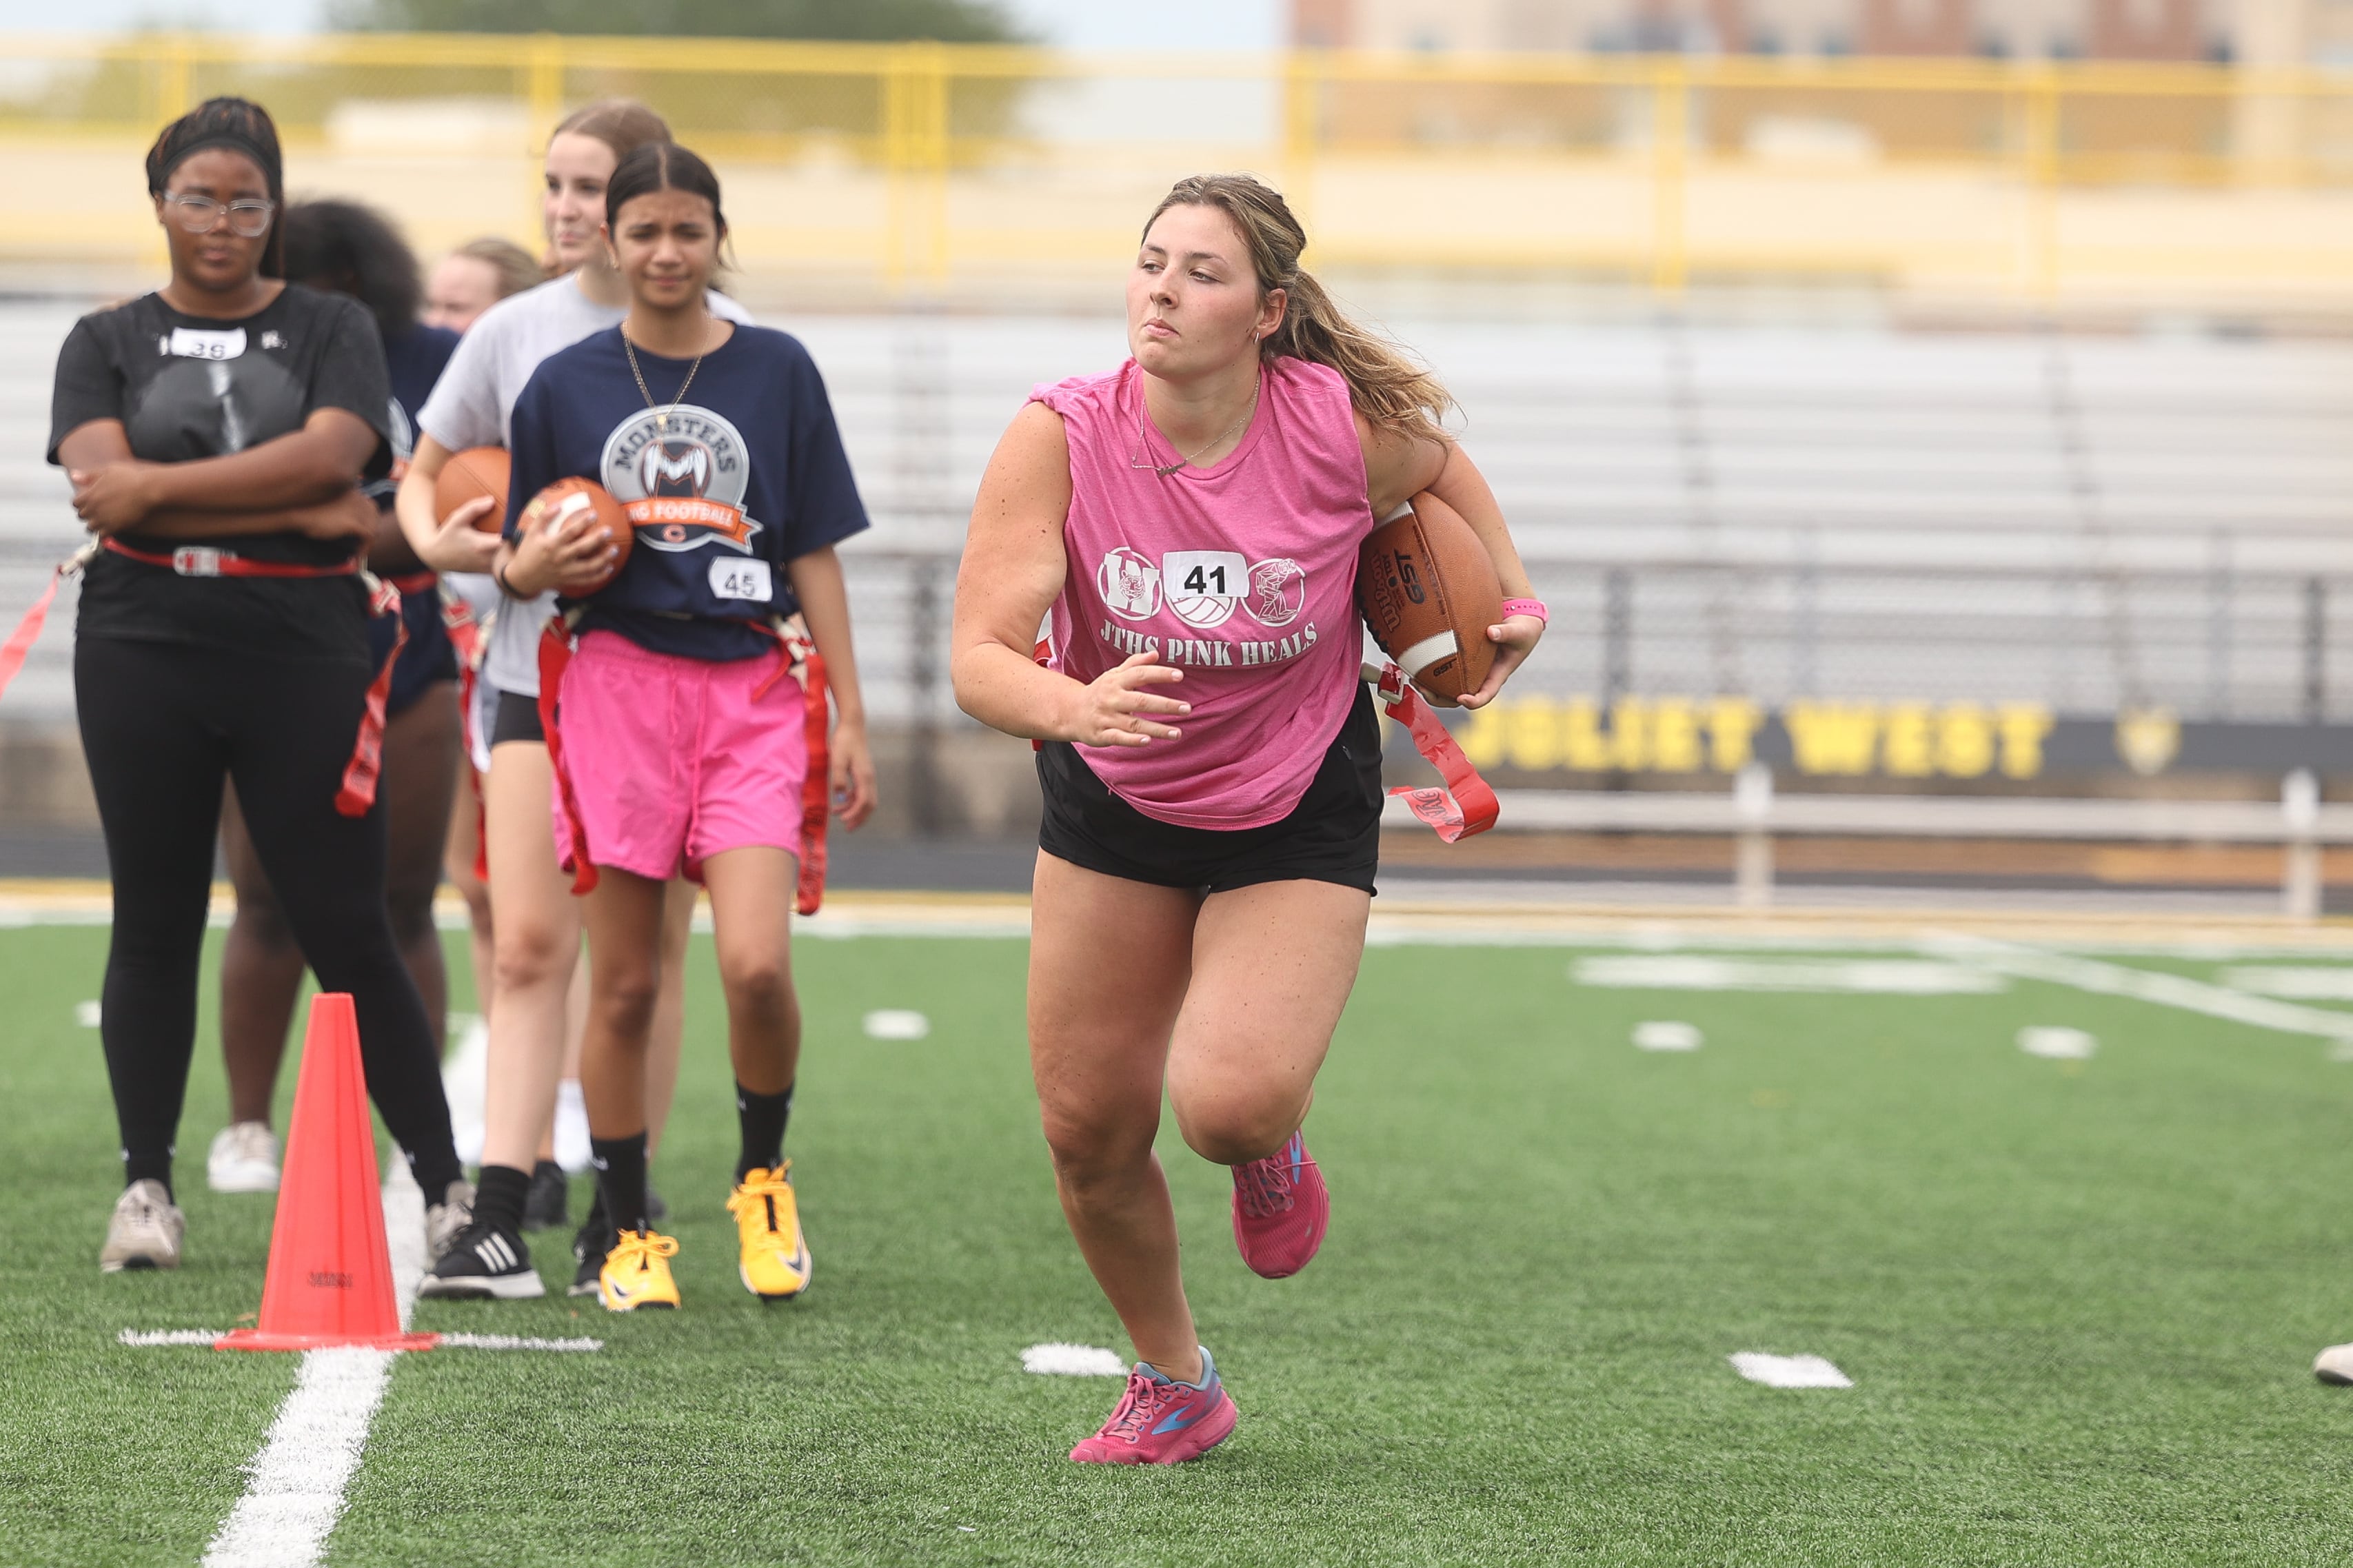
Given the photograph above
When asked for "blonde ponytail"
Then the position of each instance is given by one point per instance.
(1385, 386)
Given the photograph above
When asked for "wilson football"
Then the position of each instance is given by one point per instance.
(476, 471)
(1428, 592)
(563, 505)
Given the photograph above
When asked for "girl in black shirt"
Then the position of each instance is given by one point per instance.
(217, 433)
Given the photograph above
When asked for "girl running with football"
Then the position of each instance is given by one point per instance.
(681, 730)
(218, 433)
(1210, 756)
(535, 921)
(341, 247)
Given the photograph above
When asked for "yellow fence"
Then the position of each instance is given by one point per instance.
(972, 170)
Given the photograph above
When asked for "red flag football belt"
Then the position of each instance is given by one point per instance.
(1466, 805)
(357, 791)
(555, 658)
(466, 637)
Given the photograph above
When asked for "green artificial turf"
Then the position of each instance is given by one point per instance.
(2078, 1302)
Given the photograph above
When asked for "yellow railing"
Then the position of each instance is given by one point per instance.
(925, 166)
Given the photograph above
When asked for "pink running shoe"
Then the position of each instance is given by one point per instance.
(1280, 1207)
(1161, 1421)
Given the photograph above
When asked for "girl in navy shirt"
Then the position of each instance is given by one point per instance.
(681, 724)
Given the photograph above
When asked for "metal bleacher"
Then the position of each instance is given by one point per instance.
(1843, 509)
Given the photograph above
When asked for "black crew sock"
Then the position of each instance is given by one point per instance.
(499, 1197)
(621, 1178)
(158, 1168)
(762, 1118)
(435, 1169)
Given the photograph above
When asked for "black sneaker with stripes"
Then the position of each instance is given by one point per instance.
(485, 1260)
(590, 1243)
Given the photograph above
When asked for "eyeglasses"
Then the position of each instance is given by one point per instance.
(248, 219)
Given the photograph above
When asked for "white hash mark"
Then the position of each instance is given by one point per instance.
(1789, 1371)
(896, 1024)
(2057, 1042)
(1072, 1361)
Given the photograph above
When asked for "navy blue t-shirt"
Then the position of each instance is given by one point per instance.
(414, 360)
(745, 477)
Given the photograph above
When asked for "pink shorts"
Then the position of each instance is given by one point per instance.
(673, 759)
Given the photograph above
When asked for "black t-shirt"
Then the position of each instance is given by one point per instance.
(187, 387)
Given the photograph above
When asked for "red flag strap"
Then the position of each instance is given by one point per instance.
(554, 658)
(366, 766)
(28, 630)
(815, 786)
(1466, 805)
(797, 656)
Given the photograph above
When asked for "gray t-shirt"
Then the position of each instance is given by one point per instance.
(474, 399)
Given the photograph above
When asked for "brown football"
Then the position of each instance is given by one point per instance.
(476, 471)
(1429, 592)
(561, 504)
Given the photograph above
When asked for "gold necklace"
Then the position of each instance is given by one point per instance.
(1142, 457)
(661, 416)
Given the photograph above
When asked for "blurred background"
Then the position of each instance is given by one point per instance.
(1928, 419)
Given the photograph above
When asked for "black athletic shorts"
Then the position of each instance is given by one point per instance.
(517, 719)
(1332, 834)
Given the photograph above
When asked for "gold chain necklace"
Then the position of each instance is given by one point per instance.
(661, 416)
(1142, 459)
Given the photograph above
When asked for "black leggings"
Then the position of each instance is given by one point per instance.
(161, 724)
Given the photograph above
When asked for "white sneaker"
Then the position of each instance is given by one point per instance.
(2334, 1365)
(244, 1159)
(145, 1232)
(445, 1220)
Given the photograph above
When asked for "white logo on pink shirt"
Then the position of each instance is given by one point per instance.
(1129, 584)
(1277, 592)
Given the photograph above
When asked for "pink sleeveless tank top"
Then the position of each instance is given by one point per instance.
(1243, 574)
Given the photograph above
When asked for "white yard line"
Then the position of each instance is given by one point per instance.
(515, 1342)
(1709, 971)
(294, 1493)
(2146, 985)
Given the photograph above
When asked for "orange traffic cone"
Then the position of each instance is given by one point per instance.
(330, 1280)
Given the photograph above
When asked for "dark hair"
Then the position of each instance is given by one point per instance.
(662, 166)
(236, 125)
(355, 249)
(622, 123)
(1384, 384)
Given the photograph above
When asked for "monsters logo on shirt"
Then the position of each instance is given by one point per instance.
(681, 479)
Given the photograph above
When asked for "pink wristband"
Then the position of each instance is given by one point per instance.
(1527, 607)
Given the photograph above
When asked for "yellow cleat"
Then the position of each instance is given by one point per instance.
(768, 1224)
(637, 1272)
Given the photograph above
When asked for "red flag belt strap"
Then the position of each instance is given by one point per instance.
(554, 658)
(204, 560)
(797, 654)
(360, 775)
(1466, 804)
(466, 637)
(793, 651)
(356, 792)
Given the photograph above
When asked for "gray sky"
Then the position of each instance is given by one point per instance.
(1080, 23)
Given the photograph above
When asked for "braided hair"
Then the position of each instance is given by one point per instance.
(236, 125)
